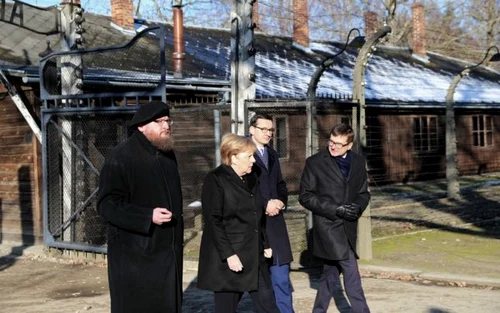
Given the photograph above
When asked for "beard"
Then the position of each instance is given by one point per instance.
(162, 144)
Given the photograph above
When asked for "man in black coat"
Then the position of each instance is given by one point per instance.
(334, 187)
(274, 199)
(140, 198)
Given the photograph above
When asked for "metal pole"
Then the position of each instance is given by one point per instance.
(310, 147)
(453, 186)
(242, 63)
(71, 84)
(14, 95)
(364, 223)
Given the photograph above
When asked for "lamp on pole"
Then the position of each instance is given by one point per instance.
(358, 95)
(357, 42)
(453, 187)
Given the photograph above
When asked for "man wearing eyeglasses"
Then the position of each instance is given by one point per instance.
(140, 198)
(274, 195)
(334, 187)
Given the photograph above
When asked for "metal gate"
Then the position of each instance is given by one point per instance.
(85, 113)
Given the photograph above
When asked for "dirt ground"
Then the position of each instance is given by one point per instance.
(430, 234)
(44, 284)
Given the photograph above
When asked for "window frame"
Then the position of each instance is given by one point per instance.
(425, 133)
(482, 135)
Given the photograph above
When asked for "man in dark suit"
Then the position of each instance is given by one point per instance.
(274, 199)
(141, 200)
(334, 187)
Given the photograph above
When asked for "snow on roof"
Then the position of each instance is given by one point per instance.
(387, 78)
(284, 70)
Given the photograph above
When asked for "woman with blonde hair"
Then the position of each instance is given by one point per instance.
(234, 243)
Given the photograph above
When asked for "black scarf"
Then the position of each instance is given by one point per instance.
(344, 164)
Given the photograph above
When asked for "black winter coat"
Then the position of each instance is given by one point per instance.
(144, 259)
(323, 188)
(272, 186)
(234, 224)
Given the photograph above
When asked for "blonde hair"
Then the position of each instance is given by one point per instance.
(233, 144)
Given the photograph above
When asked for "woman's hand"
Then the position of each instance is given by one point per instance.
(234, 263)
(161, 215)
(268, 253)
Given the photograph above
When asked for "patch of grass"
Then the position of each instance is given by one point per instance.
(435, 186)
(440, 251)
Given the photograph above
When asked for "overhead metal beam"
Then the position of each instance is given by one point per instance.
(14, 13)
(21, 106)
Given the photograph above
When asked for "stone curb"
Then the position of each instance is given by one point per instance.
(453, 279)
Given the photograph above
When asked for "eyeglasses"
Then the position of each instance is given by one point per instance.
(168, 121)
(337, 145)
(265, 130)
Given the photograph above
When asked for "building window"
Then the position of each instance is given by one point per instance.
(281, 136)
(482, 131)
(425, 133)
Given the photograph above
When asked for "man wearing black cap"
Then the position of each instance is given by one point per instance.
(140, 198)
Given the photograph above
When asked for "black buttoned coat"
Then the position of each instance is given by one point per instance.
(322, 189)
(144, 259)
(272, 186)
(234, 223)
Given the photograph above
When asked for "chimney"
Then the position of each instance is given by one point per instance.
(301, 23)
(178, 55)
(122, 14)
(255, 14)
(370, 23)
(418, 31)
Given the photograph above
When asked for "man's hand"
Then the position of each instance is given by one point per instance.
(268, 253)
(234, 263)
(356, 209)
(161, 215)
(347, 212)
(273, 208)
(279, 204)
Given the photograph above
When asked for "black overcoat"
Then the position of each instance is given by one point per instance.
(272, 186)
(144, 259)
(234, 224)
(322, 189)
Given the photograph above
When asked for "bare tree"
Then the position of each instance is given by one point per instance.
(464, 29)
(212, 13)
(458, 28)
(161, 7)
(487, 19)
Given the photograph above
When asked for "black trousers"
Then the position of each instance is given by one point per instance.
(263, 299)
(329, 284)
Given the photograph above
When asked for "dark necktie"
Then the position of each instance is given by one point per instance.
(263, 156)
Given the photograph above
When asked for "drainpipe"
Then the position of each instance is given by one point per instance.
(178, 55)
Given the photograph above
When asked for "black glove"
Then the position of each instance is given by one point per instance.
(346, 212)
(356, 209)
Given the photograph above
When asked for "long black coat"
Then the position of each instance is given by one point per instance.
(234, 224)
(322, 189)
(144, 259)
(272, 186)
